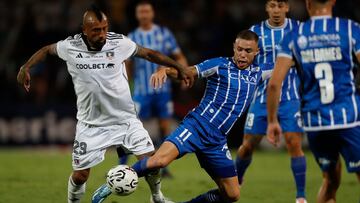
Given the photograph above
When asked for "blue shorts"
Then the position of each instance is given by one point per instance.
(209, 145)
(327, 145)
(288, 114)
(155, 105)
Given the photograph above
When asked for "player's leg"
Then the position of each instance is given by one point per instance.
(244, 154)
(143, 108)
(167, 152)
(293, 142)
(77, 185)
(154, 181)
(350, 149)
(88, 150)
(291, 124)
(123, 156)
(150, 168)
(217, 162)
(229, 187)
(325, 148)
(164, 109)
(255, 129)
(117, 135)
(180, 142)
(330, 184)
(165, 130)
(227, 192)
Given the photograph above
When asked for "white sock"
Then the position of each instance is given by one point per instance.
(75, 192)
(154, 181)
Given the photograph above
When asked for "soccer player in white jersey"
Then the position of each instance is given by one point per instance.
(325, 48)
(271, 31)
(152, 103)
(106, 113)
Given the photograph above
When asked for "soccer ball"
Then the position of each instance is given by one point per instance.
(122, 180)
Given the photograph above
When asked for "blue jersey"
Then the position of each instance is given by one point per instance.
(324, 48)
(159, 39)
(269, 39)
(228, 93)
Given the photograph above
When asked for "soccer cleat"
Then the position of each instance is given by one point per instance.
(159, 198)
(301, 200)
(101, 194)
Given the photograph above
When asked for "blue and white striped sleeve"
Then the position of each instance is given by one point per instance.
(286, 45)
(208, 67)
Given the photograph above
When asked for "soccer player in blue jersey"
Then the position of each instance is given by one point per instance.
(270, 32)
(324, 47)
(152, 103)
(231, 82)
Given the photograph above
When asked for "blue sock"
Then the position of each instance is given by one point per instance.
(123, 159)
(298, 167)
(140, 167)
(212, 196)
(241, 166)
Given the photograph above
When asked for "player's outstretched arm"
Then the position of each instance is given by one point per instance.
(281, 68)
(157, 57)
(160, 76)
(23, 76)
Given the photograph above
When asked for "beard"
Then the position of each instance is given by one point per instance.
(98, 44)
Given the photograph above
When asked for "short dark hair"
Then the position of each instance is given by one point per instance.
(145, 2)
(247, 35)
(98, 13)
(285, 1)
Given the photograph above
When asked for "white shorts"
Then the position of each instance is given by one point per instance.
(91, 142)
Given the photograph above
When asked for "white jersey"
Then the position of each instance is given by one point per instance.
(100, 79)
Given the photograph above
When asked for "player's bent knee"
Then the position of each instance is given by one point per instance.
(80, 177)
(233, 195)
(293, 144)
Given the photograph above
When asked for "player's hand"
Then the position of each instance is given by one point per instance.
(23, 77)
(159, 78)
(187, 77)
(274, 133)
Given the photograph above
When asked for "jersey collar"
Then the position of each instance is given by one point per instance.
(153, 27)
(278, 27)
(321, 17)
(87, 44)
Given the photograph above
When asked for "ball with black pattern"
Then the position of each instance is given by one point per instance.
(122, 180)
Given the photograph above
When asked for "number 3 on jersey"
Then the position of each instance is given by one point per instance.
(324, 74)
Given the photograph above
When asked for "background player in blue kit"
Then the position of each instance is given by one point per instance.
(270, 32)
(152, 103)
(325, 47)
(231, 83)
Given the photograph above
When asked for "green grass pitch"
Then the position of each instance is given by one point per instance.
(40, 175)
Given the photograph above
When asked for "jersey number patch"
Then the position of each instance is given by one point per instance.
(324, 74)
(79, 148)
